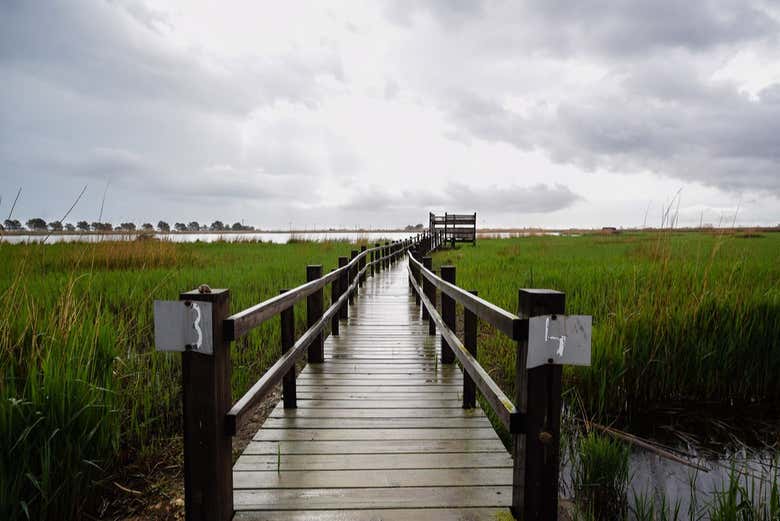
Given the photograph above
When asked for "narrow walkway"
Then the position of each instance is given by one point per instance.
(379, 433)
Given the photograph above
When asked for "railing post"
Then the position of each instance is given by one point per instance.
(335, 293)
(447, 314)
(427, 263)
(373, 266)
(352, 274)
(208, 458)
(378, 266)
(430, 291)
(314, 313)
(538, 398)
(362, 264)
(470, 325)
(343, 285)
(287, 319)
(387, 253)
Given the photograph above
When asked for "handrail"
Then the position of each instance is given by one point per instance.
(275, 373)
(244, 321)
(239, 324)
(506, 322)
(505, 410)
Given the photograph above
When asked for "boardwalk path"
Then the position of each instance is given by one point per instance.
(379, 432)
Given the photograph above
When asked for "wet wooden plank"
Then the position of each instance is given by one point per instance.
(391, 497)
(373, 434)
(408, 514)
(375, 446)
(376, 413)
(373, 461)
(453, 477)
(379, 431)
(377, 423)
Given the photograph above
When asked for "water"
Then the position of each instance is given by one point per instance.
(275, 237)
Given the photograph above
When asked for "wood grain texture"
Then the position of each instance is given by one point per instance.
(379, 431)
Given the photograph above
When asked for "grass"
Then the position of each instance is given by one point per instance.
(687, 318)
(600, 476)
(83, 394)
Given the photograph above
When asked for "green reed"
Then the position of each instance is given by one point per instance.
(678, 317)
(82, 390)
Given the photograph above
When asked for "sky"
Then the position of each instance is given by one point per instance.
(536, 113)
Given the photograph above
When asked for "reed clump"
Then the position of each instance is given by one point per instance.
(686, 318)
(82, 392)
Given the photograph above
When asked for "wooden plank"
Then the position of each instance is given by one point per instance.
(379, 404)
(376, 413)
(263, 479)
(379, 432)
(373, 461)
(373, 434)
(375, 446)
(407, 514)
(377, 423)
(391, 497)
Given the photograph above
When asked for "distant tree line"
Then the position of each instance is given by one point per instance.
(37, 224)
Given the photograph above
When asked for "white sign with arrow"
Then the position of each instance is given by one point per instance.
(559, 339)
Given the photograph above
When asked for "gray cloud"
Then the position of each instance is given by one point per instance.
(511, 199)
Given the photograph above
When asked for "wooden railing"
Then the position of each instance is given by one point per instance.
(210, 419)
(533, 420)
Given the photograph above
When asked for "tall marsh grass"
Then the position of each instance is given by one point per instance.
(82, 391)
(678, 318)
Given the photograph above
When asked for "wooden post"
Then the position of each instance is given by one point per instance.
(373, 258)
(362, 264)
(378, 256)
(289, 393)
(447, 314)
(387, 252)
(427, 262)
(208, 458)
(335, 293)
(314, 313)
(538, 398)
(343, 285)
(470, 325)
(352, 274)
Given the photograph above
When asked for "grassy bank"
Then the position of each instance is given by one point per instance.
(679, 319)
(82, 391)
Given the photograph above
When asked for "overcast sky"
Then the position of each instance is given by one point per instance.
(537, 113)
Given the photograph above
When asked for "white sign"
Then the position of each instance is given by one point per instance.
(559, 339)
(183, 325)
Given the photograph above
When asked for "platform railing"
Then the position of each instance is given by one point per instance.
(210, 419)
(533, 419)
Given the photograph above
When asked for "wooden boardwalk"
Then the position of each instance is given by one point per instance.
(379, 432)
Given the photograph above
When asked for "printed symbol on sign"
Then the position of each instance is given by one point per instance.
(196, 325)
(561, 339)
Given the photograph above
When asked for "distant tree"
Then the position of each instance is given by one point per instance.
(180, 227)
(70, 227)
(204, 227)
(2, 228)
(12, 225)
(163, 226)
(147, 227)
(83, 226)
(237, 227)
(36, 223)
(194, 226)
(217, 226)
(55, 226)
(128, 227)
